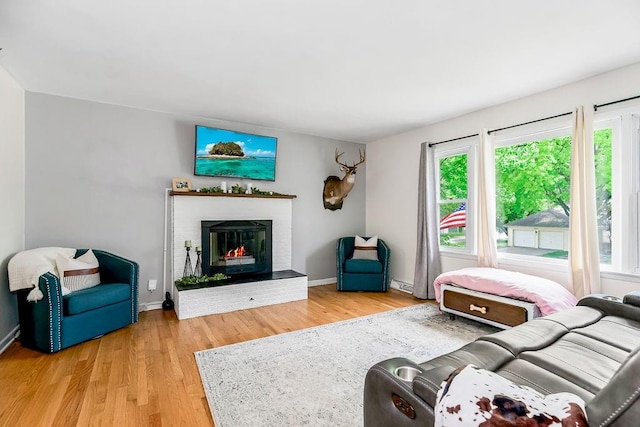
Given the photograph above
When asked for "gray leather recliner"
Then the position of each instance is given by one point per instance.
(591, 350)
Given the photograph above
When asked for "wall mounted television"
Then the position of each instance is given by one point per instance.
(221, 152)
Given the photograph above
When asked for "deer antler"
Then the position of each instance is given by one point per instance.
(362, 159)
(338, 161)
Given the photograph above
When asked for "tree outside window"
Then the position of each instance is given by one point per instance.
(532, 196)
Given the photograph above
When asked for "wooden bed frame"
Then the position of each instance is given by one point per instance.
(495, 310)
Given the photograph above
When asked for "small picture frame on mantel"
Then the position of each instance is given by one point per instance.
(181, 184)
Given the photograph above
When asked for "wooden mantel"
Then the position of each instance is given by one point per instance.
(258, 196)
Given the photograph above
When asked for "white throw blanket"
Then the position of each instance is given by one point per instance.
(26, 267)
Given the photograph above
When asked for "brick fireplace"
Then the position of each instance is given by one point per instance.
(193, 215)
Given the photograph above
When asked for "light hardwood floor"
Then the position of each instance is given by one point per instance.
(146, 374)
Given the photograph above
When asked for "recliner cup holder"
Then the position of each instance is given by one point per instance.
(406, 373)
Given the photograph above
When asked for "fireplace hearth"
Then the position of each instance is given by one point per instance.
(237, 248)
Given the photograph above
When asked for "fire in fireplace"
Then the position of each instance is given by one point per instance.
(236, 247)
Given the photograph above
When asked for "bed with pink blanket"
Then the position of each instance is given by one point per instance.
(547, 295)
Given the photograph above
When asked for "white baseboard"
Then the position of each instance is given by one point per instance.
(148, 306)
(11, 337)
(402, 286)
(319, 282)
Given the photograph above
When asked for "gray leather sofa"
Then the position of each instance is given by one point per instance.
(591, 350)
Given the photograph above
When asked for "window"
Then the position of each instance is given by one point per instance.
(602, 161)
(533, 173)
(452, 201)
(532, 196)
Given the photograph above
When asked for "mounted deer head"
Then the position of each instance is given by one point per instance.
(336, 189)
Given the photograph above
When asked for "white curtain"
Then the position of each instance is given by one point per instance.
(427, 249)
(487, 247)
(584, 253)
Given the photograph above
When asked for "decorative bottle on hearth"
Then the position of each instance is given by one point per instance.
(198, 270)
(188, 270)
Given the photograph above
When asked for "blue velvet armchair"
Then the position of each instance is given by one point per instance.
(361, 274)
(57, 322)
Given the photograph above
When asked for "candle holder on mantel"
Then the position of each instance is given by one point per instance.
(188, 270)
(198, 270)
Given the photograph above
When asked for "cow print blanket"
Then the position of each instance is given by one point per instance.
(477, 397)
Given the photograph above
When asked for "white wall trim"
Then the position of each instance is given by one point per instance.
(320, 282)
(9, 339)
(148, 306)
(401, 286)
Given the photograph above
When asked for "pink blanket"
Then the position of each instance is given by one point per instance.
(548, 295)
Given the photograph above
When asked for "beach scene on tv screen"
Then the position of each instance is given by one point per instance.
(222, 152)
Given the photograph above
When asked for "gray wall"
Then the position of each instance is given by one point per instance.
(12, 171)
(392, 177)
(96, 174)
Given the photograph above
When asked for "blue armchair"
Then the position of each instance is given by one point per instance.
(57, 322)
(361, 274)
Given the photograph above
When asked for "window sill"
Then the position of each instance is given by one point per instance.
(534, 262)
(623, 277)
(514, 261)
(458, 254)
(530, 263)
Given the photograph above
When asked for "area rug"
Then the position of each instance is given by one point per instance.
(315, 376)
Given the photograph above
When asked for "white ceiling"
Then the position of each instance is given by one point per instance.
(355, 70)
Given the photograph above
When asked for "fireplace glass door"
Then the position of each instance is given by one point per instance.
(236, 247)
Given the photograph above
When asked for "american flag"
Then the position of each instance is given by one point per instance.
(457, 218)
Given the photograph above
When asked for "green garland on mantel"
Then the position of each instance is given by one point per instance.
(211, 190)
(238, 189)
